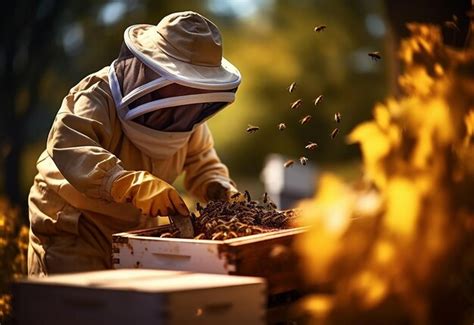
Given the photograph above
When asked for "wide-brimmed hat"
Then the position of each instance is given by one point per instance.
(185, 47)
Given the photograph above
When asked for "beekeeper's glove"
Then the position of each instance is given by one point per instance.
(221, 191)
(149, 194)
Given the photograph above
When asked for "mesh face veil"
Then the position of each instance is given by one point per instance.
(158, 110)
(146, 95)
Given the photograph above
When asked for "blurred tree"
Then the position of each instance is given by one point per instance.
(437, 12)
(30, 30)
(46, 47)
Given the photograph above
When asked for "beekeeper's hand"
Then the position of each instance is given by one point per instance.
(220, 191)
(152, 196)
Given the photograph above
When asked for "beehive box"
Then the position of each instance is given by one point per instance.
(268, 255)
(140, 297)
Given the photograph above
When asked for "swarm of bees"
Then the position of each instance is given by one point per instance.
(241, 216)
(298, 103)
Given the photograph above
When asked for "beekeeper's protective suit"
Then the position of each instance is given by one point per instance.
(122, 136)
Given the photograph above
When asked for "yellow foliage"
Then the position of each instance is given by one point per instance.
(469, 122)
(418, 151)
(375, 145)
(403, 206)
(13, 249)
(329, 215)
(369, 287)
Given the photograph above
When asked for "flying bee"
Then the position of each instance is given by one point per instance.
(289, 163)
(305, 119)
(281, 126)
(303, 161)
(252, 128)
(452, 25)
(291, 87)
(337, 117)
(318, 100)
(320, 28)
(296, 104)
(311, 146)
(334, 133)
(375, 56)
(265, 197)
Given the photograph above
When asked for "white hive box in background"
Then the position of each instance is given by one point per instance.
(269, 255)
(140, 297)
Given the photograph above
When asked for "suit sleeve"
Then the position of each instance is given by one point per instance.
(83, 130)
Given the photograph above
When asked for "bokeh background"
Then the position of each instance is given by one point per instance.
(50, 45)
(47, 46)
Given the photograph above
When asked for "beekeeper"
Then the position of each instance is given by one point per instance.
(121, 138)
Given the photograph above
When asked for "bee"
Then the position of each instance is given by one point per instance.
(337, 117)
(375, 56)
(296, 104)
(452, 25)
(334, 133)
(320, 28)
(200, 236)
(311, 146)
(166, 235)
(305, 119)
(289, 163)
(281, 126)
(235, 195)
(175, 234)
(232, 234)
(303, 161)
(217, 235)
(265, 219)
(265, 197)
(247, 196)
(318, 100)
(199, 207)
(252, 128)
(291, 87)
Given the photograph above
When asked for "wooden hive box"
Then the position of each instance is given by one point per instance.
(140, 297)
(268, 255)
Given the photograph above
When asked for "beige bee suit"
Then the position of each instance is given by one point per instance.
(71, 213)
